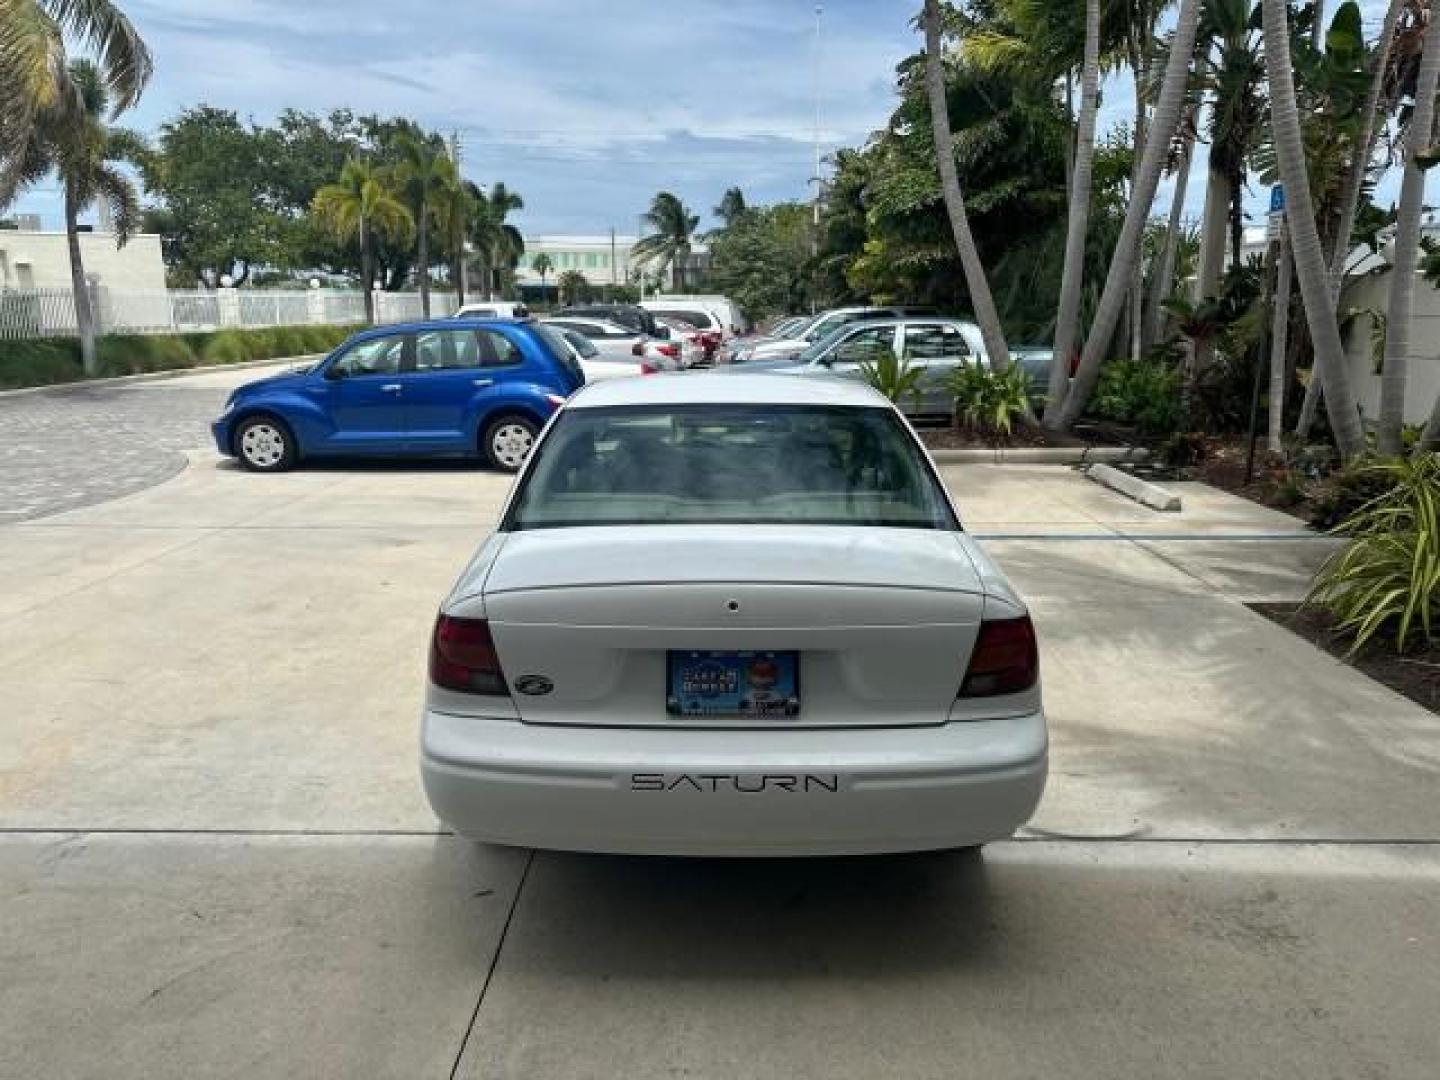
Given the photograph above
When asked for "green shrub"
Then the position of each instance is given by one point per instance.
(45, 361)
(1387, 579)
(135, 354)
(225, 347)
(986, 401)
(39, 362)
(890, 375)
(1346, 491)
(1145, 393)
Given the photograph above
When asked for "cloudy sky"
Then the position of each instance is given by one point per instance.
(587, 107)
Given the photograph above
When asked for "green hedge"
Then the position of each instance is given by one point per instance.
(47, 361)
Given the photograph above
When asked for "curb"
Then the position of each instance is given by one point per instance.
(1039, 455)
(155, 376)
(1142, 491)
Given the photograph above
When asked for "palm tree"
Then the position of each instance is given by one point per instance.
(499, 243)
(1067, 319)
(75, 143)
(976, 282)
(571, 285)
(1231, 71)
(1279, 344)
(359, 206)
(456, 209)
(731, 207)
(1310, 268)
(542, 266)
(1362, 151)
(668, 245)
(1164, 123)
(424, 173)
(34, 76)
(1162, 277)
(1391, 422)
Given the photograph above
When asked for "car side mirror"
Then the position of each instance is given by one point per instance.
(335, 372)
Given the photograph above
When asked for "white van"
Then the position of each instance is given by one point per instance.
(719, 312)
(493, 309)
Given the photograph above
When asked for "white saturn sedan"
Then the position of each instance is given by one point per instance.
(732, 615)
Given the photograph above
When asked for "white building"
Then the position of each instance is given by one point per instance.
(41, 260)
(603, 258)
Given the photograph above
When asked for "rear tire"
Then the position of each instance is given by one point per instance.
(265, 443)
(507, 441)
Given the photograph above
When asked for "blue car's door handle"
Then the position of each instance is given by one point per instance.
(391, 388)
(484, 382)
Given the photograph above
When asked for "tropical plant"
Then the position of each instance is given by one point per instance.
(668, 244)
(892, 375)
(976, 282)
(1145, 393)
(542, 265)
(35, 78)
(1387, 579)
(1164, 123)
(1310, 268)
(987, 401)
(425, 172)
(359, 207)
(83, 151)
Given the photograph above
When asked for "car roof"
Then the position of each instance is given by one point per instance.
(447, 323)
(726, 389)
(590, 320)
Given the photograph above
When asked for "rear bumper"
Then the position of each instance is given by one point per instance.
(734, 793)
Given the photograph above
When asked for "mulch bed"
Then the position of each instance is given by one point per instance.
(1415, 674)
(1224, 468)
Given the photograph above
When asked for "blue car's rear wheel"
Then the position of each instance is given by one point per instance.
(264, 444)
(508, 440)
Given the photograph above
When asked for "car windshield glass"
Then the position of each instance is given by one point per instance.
(730, 464)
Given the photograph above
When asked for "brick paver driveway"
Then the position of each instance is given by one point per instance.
(73, 446)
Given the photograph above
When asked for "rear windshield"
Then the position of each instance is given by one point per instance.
(560, 350)
(698, 319)
(729, 464)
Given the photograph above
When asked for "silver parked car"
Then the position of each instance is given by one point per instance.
(935, 345)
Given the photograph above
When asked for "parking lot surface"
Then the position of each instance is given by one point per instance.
(216, 860)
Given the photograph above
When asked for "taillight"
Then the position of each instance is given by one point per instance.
(1004, 661)
(671, 351)
(463, 657)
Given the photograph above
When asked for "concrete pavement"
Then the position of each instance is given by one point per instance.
(216, 859)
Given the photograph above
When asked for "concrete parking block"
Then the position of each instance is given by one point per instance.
(1044, 960)
(1133, 487)
(202, 956)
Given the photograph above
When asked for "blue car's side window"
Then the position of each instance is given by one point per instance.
(377, 356)
(457, 350)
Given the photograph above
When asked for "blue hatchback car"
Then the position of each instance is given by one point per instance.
(447, 388)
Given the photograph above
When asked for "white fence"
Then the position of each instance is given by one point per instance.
(36, 313)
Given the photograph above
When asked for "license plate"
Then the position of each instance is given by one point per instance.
(751, 685)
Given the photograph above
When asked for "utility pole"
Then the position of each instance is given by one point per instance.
(614, 265)
(464, 282)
